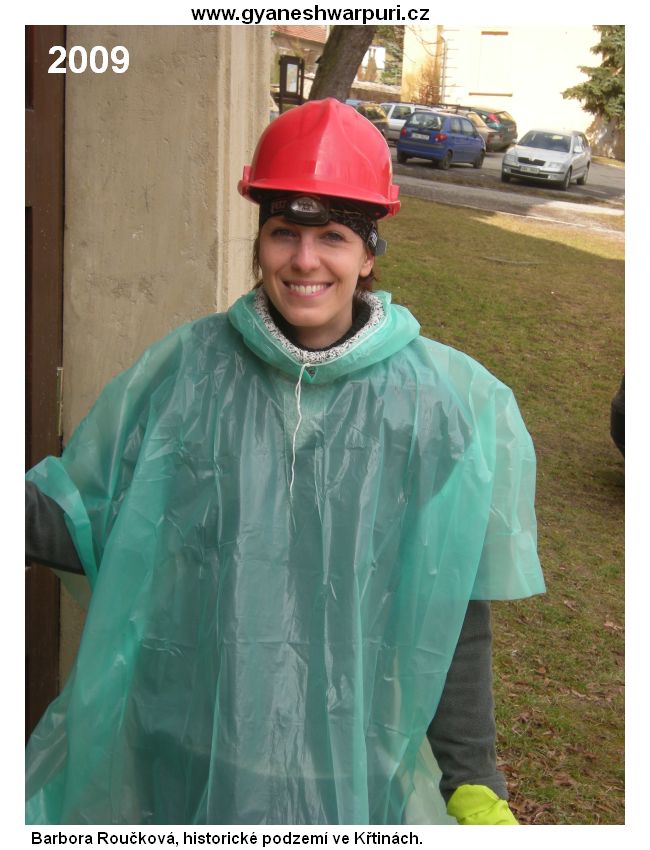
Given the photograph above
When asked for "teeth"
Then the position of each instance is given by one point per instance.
(307, 290)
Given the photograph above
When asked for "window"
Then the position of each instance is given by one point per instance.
(426, 120)
(454, 125)
(495, 64)
(371, 112)
(467, 127)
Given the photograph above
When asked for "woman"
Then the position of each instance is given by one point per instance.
(292, 516)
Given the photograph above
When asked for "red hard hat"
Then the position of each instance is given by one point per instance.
(323, 147)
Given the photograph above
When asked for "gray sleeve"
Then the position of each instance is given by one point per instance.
(462, 733)
(47, 539)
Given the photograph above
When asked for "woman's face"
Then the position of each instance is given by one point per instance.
(310, 274)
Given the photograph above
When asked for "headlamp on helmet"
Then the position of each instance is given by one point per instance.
(311, 211)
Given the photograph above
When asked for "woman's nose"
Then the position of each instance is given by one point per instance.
(305, 256)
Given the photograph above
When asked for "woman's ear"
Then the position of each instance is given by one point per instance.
(368, 264)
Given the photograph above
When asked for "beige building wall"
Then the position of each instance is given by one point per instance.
(155, 231)
(522, 69)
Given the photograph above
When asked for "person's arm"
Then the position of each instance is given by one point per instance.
(47, 539)
(462, 734)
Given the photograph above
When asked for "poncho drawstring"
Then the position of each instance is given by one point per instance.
(297, 392)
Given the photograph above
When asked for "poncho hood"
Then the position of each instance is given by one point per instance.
(389, 329)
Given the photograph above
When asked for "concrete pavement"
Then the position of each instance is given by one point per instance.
(589, 216)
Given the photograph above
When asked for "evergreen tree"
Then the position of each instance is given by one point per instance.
(604, 92)
(392, 38)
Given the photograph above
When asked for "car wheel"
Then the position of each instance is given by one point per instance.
(582, 180)
(401, 157)
(478, 162)
(505, 178)
(564, 185)
(445, 162)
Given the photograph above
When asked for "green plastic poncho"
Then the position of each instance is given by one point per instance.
(281, 557)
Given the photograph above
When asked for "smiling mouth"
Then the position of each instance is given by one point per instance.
(306, 289)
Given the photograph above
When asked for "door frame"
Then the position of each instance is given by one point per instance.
(44, 222)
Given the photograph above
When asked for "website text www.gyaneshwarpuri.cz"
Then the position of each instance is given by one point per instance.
(312, 14)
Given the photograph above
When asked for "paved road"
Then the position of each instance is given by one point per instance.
(606, 183)
(599, 205)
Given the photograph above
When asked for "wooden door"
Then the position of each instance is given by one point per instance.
(44, 198)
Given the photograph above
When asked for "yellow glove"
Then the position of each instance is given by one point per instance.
(477, 805)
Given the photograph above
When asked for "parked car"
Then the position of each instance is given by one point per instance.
(493, 139)
(374, 113)
(550, 156)
(397, 114)
(501, 122)
(497, 120)
(441, 137)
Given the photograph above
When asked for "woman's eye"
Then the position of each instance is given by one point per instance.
(282, 232)
(333, 236)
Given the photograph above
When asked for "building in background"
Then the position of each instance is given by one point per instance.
(306, 42)
(522, 69)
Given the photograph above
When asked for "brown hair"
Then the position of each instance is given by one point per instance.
(366, 282)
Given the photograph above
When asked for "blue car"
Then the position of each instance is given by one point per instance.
(441, 137)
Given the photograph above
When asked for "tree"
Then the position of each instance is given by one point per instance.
(342, 55)
(392, 38)
(604, 92)
(425, 86)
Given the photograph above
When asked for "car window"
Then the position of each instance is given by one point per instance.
(371, 111)
(491, 118)
(402, 112)
(467, 127)
(425, 120)
(556, 142)
(547, 141)
(454, 125)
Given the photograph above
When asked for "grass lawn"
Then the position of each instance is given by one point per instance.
(541, 306)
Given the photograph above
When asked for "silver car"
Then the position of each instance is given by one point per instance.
(397, 114)
(552, 156)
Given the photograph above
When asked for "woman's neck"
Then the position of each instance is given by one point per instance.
(360, 315)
